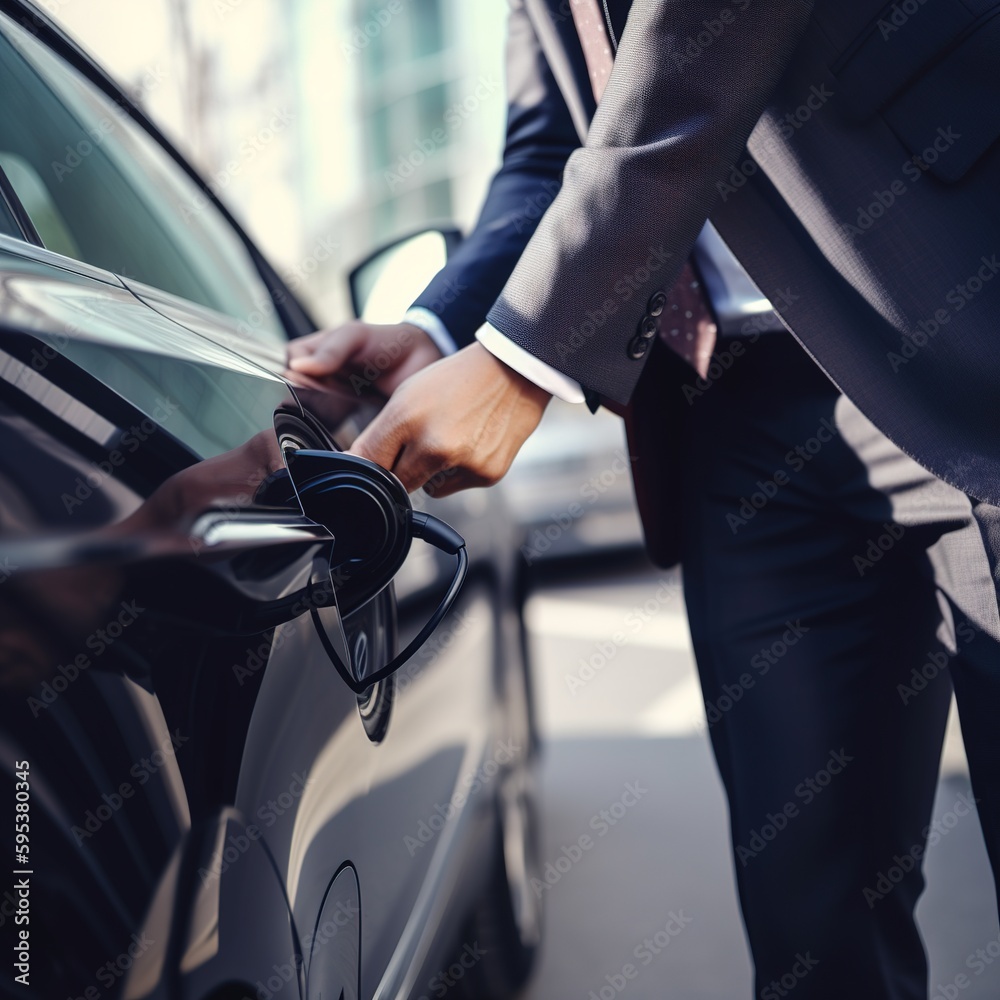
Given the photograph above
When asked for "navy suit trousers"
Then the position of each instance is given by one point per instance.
(834, 589)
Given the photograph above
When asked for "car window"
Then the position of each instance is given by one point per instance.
(8, 221)
(36, 201)
(100, 189)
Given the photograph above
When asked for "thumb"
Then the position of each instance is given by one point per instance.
(381, 441)
(393, 441)
(326, 352)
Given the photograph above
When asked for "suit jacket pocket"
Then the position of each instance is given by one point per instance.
(930, 68)
(951, 115)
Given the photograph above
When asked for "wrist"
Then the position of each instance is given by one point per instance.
(433, 326)
(419, 340)
(520, 383)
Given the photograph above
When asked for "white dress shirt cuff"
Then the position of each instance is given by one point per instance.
(514, 356)
(431, 324)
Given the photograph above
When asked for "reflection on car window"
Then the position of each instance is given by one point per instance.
(100, 189)
(37, 202)
(8, 222)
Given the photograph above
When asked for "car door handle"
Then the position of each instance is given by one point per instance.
(218, 532)
(222, 532)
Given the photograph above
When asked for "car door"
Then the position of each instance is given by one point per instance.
(320, 780)
(148, 537)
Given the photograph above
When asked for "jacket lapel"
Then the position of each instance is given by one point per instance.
(557, 35)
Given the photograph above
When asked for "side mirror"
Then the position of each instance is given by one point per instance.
(384, 284)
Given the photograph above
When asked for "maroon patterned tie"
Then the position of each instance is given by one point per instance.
(686, 324)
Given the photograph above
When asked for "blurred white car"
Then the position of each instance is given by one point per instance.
(570, 487)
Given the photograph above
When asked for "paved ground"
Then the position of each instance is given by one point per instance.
(628, 740)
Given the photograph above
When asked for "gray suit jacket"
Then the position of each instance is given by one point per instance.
(845, 149)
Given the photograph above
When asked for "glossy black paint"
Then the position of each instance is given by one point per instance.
(214, 812)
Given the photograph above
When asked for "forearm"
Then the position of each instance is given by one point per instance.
(635, 197)
(540, 137)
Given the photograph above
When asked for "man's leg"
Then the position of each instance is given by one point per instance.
(977, 691)
(810, 604)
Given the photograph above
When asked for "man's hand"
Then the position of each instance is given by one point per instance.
(457, 424)
(370, 356)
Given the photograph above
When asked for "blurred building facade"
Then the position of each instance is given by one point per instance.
(421, 113)
(328, 126)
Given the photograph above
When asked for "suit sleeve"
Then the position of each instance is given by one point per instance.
(672, 122)
(540, 138)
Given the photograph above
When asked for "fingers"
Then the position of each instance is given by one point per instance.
(420, 352)
(391, 441)
(456, 424)
(327, 351)
(419, 465)
(449, 481)
(379, 357)
(380, 442)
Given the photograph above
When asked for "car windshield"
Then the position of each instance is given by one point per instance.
(100, 189)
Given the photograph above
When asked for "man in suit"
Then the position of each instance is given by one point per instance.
(845, 153)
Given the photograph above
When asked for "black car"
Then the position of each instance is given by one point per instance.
(242, 760)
